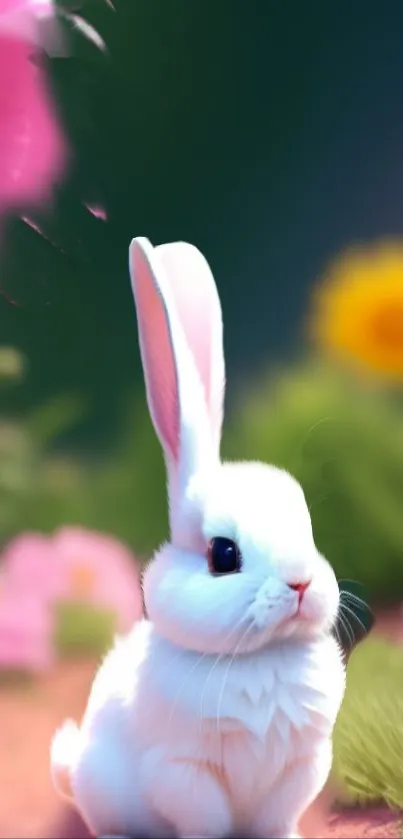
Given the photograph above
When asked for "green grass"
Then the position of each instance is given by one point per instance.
(368, 741)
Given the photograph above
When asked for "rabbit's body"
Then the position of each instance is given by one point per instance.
(215, 715)
(181, 722)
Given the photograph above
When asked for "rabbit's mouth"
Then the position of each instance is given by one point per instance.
(299, 614)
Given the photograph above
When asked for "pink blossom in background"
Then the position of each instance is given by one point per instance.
(28, 563)
(76, 565)
(99, 570)
(26, 631)
(32, 147)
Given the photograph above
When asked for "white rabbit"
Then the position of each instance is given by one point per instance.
(215, 715)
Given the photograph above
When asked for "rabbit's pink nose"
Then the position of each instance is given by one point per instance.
(300, 588)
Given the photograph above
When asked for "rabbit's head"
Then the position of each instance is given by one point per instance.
(241, 569)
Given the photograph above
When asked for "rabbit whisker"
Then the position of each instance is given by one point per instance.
(182, 685)
(356, 618)
(214, 666)
(345, 625)
(336, 630)
(344, 593)
(225, 680)
(348, 595)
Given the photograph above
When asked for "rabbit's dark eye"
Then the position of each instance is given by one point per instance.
(223, 556)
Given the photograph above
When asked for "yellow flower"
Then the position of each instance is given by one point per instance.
(358, 311)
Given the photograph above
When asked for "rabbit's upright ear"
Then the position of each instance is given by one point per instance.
(199, 309)
(181, 343)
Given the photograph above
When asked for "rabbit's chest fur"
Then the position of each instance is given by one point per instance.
(243, 719)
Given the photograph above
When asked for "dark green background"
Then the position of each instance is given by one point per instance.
(268, 133)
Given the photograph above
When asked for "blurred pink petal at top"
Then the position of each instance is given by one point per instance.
(32, 147)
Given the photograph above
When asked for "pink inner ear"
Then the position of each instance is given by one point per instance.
(157, 353)
(199, 313)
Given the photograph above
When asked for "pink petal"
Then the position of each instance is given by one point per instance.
(32, 153)
(25, 655)
(24, 614)
(20, 17)
(87, 30)
(32, 150)
(29, 564)
(26, 630)
(17, 20)
(97, 211)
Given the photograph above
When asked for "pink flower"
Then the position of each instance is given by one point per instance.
(26, 628)
(32, 149)
(76, 565)
(99, 570)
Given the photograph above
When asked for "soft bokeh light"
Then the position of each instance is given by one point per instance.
(359, 308)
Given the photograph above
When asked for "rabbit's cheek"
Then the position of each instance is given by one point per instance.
(315, 607)
(271, 609)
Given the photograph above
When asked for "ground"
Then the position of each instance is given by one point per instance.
(28, 806)
(29, 716)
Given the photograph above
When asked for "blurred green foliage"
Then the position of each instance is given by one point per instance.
(83, 630)
(41, 488)
(343, 442)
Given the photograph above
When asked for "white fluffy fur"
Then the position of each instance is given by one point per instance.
(215, 715)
